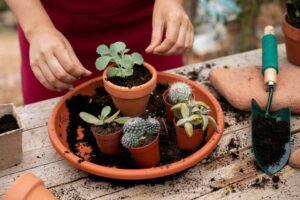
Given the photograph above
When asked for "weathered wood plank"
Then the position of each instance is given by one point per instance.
(195, 183)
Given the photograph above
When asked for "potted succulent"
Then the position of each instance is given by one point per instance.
(291, 30)
(178, 92)
(191, 121)
(129, 80)
(10, 137)
(106, 129)
(141, 139)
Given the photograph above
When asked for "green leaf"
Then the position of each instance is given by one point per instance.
(204, 122)
(126, 62)
(189, 129)
(105, 111)
(213, 123)
(181, 122)
(89, 118)
(102, 62)
(122, 120)
(118, 47)
(126, 50)
(184, 110)
(297, 13)
(112, 118)
(117, 59)
(176, 107)
(113, 71)
(127, 72)
(137, 58)
(103, 50)
(200, 103)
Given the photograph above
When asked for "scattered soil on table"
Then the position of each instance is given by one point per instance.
(106, 129)
(291, 17)
(260, 183)
(8, 123)
(140, 76)
(270, 137)
(93, 104)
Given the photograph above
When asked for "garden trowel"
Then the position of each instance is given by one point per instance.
(263, 120)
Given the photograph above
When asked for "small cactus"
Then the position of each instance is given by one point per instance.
(137, 129)
(179, 92)
(135, 126)
(152, 126)
(130, 140)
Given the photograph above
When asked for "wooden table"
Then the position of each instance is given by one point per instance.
(228, 173)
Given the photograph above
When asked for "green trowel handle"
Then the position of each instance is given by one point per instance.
(270, 55)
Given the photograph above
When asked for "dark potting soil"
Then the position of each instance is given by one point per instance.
(93, 104)
(270, 136)
(8, 123)
(291, 17)
(106, 129)
(140, 76)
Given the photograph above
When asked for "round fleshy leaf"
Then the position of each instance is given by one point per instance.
(117, 47)
(103, 50)
(102, 62)
(137, 58)
(89, 118)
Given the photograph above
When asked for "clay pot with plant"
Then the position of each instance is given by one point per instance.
(178, 92)
(129, 80)
(106, 129)
(141, 138)
(191, 121)
(291, 30)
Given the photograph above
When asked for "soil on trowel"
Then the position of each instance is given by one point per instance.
(8, 123)
(140, 76)
(291, 17)
(270, 137)
(93, 104)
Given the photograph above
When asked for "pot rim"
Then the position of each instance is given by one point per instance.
(151, 69)
(289, 30)
(146, 146)
(138, 174)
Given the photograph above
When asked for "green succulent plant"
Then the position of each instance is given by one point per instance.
(116, 53)
(179, 92)
(103, 118)
(136, 130)
(190, 114)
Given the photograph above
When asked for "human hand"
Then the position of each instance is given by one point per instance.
(170, 18)
(53, 60)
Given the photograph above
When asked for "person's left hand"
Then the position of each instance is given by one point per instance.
(170, 18)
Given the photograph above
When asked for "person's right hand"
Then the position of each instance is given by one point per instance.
(53, 60)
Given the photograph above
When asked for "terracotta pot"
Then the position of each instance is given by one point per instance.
(292, 41)
(169, 114)
(109, 144)
(58, 135)
(146, 156)
(184, 142)
(132, 102)
(28, 187)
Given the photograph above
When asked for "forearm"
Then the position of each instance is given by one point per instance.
(179, 1)
(30, 14)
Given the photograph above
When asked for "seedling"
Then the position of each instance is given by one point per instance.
(116, 54)
(104, 118)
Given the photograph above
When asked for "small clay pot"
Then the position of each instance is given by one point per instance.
(292, 41)
(184, 142)
(109, 144)
(169, 114)
(28, 187)
(132, 102)
(146, 156)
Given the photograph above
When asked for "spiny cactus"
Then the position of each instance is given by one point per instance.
(130, 140)
(135, 126)
(152, 126)
(137, 129)
(179, 92)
